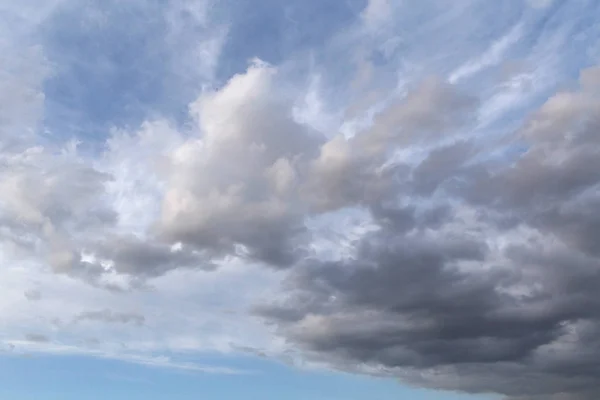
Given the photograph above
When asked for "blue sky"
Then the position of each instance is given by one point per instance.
(324, 199)
(74, 378)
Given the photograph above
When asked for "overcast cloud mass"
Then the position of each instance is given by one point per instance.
(404, 189)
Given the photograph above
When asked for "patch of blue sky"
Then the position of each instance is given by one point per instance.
(276, 31)
(109, 66)
(74, 378)
(114, 65)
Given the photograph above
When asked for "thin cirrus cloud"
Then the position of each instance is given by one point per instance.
(432, 217)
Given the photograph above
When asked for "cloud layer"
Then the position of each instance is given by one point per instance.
(373, 206)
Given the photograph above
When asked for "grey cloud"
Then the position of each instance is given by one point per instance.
(402, 304)
(111, 317)
(553, 185)
(92, 342)
(440, 165)
(430, 110)
(37, 338)
(133, 258)
(33, 295)
(418, 309)
(488, 287)
(145, 258)
(44, 192)
(356, 172)
(590, 78)
(57, 208)
(344, 175)
(48, 202)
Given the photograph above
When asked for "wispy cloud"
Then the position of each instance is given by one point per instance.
(32, 346)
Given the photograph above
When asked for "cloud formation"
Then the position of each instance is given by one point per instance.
(382, 208)
(496, 295)
(256, 174)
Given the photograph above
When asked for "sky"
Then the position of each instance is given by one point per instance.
(300, 199)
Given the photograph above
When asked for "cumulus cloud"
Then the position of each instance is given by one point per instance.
(233, 185)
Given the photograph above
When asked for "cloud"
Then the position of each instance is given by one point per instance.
(283, 171)
(491, 56)
(33, 346)
(111, 317)
(214, 203)
(498, 296)
(377, 13)
(33, 295)
(411, 227)
(57, 207)
(37, 338)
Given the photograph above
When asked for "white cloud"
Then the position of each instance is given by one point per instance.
(492, 56)
(38, 344)
(377, 13)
